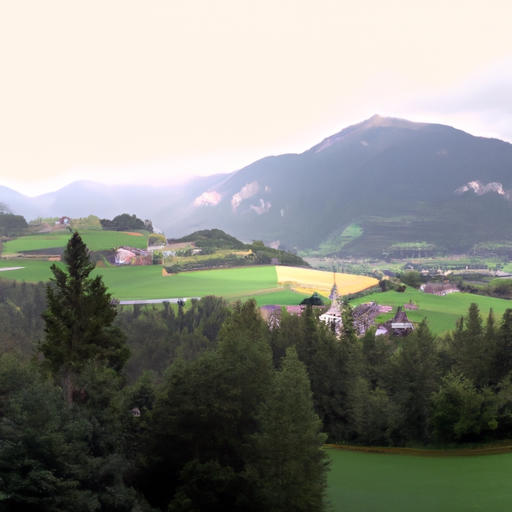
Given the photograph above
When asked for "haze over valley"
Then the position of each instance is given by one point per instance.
(364, 191)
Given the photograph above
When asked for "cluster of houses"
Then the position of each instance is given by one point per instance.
(364, 316)
(132, 256)
(439, 288)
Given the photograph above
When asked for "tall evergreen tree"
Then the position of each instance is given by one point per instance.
(502, 360)
(413, 375)
(203, 418)
(79, 320)
(473, 346)
(289, 465)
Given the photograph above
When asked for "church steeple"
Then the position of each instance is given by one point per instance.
(334, 290)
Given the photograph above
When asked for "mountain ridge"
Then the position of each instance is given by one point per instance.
(382, 168)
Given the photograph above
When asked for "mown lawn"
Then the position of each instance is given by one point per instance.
(441, 312)
(370, 482)
(95, 240)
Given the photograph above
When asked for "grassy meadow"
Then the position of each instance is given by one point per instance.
(441, 312)
(268, 285)
(374, 482)
(96, 240)
(147, 282)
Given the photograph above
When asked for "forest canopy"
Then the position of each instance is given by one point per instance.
(190, 421)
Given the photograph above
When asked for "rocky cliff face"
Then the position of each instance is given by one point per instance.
(480, 189)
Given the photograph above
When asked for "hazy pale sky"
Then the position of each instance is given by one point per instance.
(150, 91)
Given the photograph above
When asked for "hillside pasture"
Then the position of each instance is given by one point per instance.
(307, 281)
(95, 241)
(31, 271)
(131, 283)
(141, 283)
(262, 283)
(374, 482)
(441, 312)
(147, 282)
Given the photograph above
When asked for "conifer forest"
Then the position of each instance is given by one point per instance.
(207, 408)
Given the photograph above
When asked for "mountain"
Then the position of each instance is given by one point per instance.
(374, 188)
(397, 181)
(163, 205)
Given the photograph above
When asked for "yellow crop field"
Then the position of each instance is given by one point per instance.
(307, 281)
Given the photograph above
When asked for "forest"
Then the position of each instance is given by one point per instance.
(199, 419)
(206, 407)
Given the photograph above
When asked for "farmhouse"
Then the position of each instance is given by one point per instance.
(399, 325)
(439, 288)
(64, 221)
(272, 315)
(500, 273)
(400, 321)
(364, 316)
(132, 256)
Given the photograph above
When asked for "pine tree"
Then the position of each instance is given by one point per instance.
(288, 463)
(79, 320)
(473, 347)
(502, 360)
(412, 376)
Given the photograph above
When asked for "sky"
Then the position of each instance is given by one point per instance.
(122, 91)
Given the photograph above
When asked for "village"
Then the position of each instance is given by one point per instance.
(364, 315)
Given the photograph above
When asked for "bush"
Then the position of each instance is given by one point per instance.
(173, 269)
(155, 239)
(12, 224)
(123, 222)
(412, 278)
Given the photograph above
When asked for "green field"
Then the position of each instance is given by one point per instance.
(32, 271)
(147, 282)
(131, 283)
(371, 482)
(441, 312)
(95, 240)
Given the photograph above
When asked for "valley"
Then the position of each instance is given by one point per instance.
(28, 258)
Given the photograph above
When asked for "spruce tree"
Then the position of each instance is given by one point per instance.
(288, 465)
(79, 320)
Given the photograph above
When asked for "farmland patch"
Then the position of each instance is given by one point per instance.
(307, 281)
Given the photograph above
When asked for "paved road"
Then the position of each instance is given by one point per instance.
(156, 301)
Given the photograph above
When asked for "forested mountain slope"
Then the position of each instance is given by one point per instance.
(392, 181)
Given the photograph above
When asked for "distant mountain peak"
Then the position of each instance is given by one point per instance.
(376, 121)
